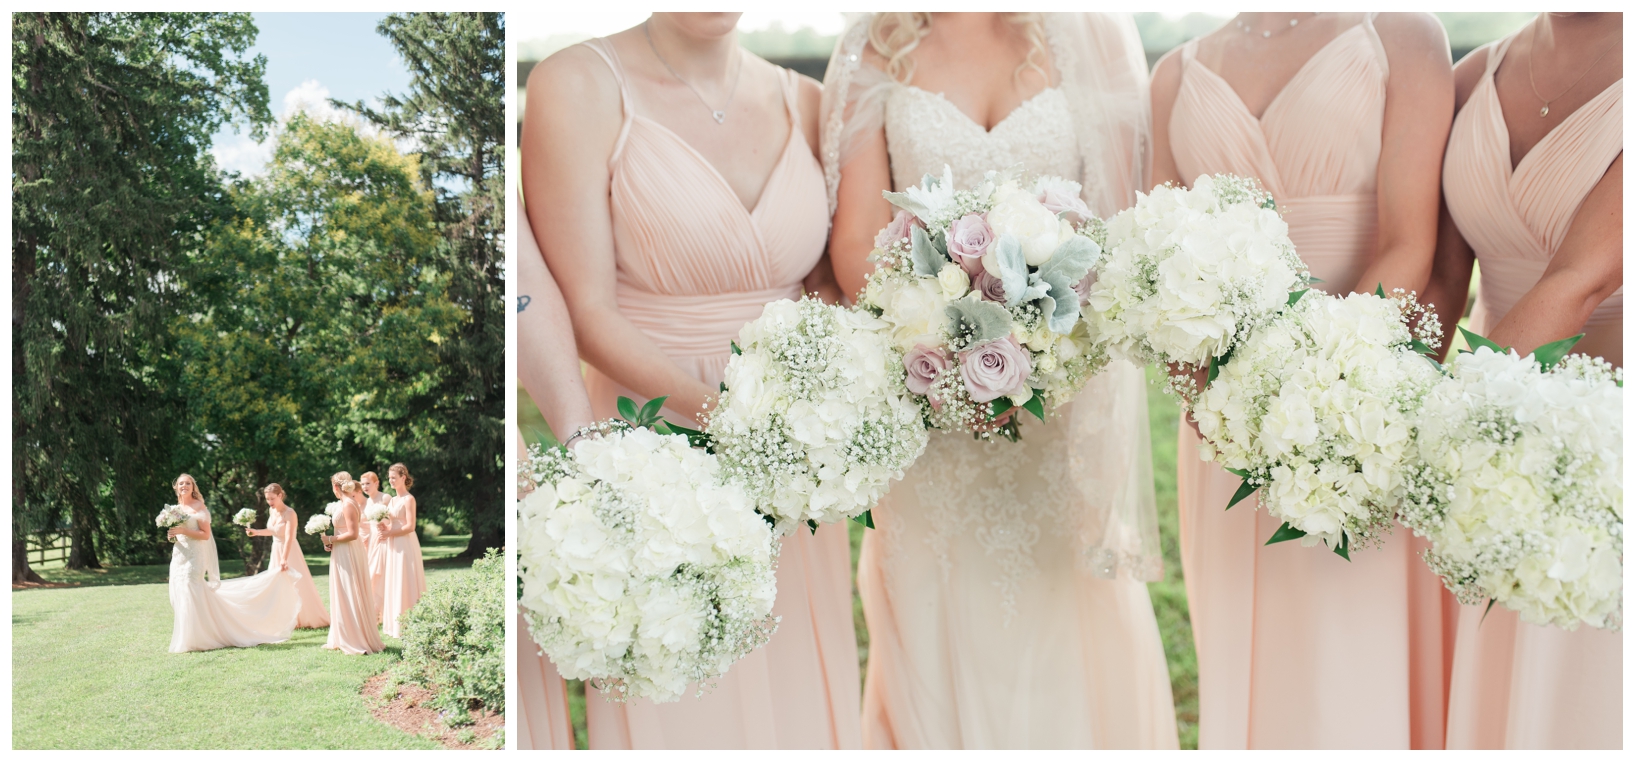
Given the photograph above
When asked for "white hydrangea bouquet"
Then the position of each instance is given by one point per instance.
(319, 523)
(171, 516)
(376, 512)
(244, 517)
(1316, 410)
(1189, 274)
(643, 568)
(814, 419)
(982, 289)
(1520, 483)
(332, 509)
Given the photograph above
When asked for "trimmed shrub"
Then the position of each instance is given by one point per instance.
(454, 639)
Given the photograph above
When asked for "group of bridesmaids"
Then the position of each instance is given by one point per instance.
(693, 182)
(375, 572)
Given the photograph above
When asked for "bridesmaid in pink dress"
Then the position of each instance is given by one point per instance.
(374, 538)
(352, 614)
(670, 216)
(1534, 190)
(1343, 118)
(548, 368)
(405, 571)
(286, 555)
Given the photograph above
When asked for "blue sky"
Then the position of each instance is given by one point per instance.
(310, 57)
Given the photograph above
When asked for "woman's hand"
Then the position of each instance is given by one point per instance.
(380, 531)
(175, 532)
(329, 543)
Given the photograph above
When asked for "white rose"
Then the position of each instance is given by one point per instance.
(954, 281)
(919, 312)
(1019, 213)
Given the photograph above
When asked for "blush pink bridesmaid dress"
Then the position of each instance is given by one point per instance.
(285, 547)
(1298, 648)
(352, 615)
(1517, 685)
(693, 267)
(405, 577)
(543, 721)
(377, 554)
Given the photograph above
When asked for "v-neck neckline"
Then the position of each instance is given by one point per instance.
(1298, 73)
(974, 123)
(766, 184)
(1504, 126)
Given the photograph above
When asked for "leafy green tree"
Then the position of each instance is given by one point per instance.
(317, 323)
(112, 183)
(454, 116)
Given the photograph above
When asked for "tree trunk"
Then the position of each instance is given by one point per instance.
(84, 553)
(258, 545)
(21, 572)
(487, 518)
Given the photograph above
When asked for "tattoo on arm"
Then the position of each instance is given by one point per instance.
(522, 302)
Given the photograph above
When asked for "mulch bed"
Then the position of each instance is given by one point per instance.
(411, 712)
(39, 585)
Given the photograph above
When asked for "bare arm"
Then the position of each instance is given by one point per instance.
(1166, 83)
(572, 122)
(1586, 269)
(1449, 289)
(860, 213)
(351, 526)
(547, 360)
(202, 533)
(1418, 114)
(821, 280)
(287, 529)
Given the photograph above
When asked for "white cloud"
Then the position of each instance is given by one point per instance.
(242, 154)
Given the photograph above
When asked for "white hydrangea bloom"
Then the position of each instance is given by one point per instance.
(643, 568)
(1519, 486)
(1189, 273)
(815, 420)
(1317, 407)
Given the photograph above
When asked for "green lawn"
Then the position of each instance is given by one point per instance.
(90, 670)
(1169, 597)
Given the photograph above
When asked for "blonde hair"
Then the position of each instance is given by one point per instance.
(895, 35)
(274, 489)
(195, 491)
(408, 481)
(348, 487)
(340, 478)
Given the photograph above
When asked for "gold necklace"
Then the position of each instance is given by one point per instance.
(719, 114)
(1532, 52)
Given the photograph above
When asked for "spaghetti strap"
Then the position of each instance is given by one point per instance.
(610, 57)
(1379, 47)
(1189, 51)
(1496, 54)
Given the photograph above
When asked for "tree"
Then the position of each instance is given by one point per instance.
(454, 115)
(318, 319)
(111, 183)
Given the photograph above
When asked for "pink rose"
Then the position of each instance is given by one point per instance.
(896, 231)
(924, 364)
(995, 369)
(991, 288)
(1057, 200)
(1082, 288)
(968, 239)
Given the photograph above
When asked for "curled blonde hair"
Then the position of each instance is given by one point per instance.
(195, 491)
(349, 486)
(895, 35)
(340, 477)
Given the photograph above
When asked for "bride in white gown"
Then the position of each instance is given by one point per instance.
(211, 613)
(1003, 586)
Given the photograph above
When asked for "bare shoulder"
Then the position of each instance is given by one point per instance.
(575, 74)
(1468, 73)
(1417, 32)
(1166, 76)
(810, 101)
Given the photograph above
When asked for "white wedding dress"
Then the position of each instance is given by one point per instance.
(1000, 613)
(211, 613)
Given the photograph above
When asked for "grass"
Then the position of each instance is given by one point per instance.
(90, 670)
(1169, 598)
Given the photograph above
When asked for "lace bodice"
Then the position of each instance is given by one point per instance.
(924, 131)
(193, 559)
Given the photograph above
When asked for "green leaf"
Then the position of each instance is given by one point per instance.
(1035, 405)
(812, 525)
(1379, 290)
(650, 411)
(627, 409)
(1490, 603)
(1344, 551)
(1244, 491)
(1294, 296)
(1476, 342)
(1422, 348)
(1285, 533)
(735, 349)
(865, 518)
(926, 259)
(723, 387)
(1552, 353)
(977, 320)
(999, 407)
(1312, 280)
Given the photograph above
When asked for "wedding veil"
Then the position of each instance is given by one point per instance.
(1103, 73)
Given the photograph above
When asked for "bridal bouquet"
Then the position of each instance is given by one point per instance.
(1316, 409)
(1520, 484)
(244, 517)
(643, 569)
(171, 516)
(1189, 274)
(376, 512)
(319, 523)
(814, 419)
(981, 290)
